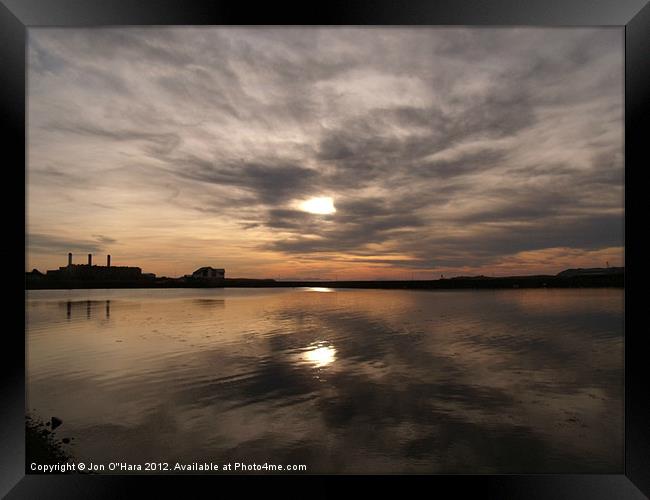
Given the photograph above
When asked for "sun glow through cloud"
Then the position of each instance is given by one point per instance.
(323, 205)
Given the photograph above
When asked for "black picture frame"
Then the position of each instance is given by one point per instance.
(18, 15)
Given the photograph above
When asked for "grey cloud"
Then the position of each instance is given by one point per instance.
(273, 182)
(46, 243)
(523, 205)
(431, 249)
(42, 60)
(291, 219)
(587, 232)
(350, 234)
(472, 164)
(159, 143)
(51, 175)
(361, 153)
(607, 169)
(110, 45)
(104, 239)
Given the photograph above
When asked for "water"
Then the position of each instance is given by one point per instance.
(343, 381)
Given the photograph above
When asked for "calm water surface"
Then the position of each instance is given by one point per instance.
(344, 381)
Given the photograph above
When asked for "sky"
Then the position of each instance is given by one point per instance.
(326, 153)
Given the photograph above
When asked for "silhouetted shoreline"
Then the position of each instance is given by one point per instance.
(613, 277)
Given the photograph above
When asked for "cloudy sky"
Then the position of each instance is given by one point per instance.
(323, 153)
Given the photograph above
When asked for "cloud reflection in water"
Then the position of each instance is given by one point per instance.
(427, 382)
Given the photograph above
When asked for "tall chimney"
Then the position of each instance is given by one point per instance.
(90, 259)
(69, 258)
(108, 261)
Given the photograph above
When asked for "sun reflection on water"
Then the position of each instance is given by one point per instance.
(320, 355)
(318, 289)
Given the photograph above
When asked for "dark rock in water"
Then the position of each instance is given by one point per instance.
(66, 440)
(56, 422)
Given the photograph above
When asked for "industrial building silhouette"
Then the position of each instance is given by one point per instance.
(94, 272)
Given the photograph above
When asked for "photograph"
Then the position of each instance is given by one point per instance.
(325, 250)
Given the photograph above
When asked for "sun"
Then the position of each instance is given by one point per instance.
(322, 205)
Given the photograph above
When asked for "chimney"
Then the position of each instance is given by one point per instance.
(90, 259)
(69, 258)
(108, 261)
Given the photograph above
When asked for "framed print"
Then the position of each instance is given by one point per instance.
(363, 239)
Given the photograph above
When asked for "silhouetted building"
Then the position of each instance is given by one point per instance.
(34, 273)
(209, 273)
(94, 272)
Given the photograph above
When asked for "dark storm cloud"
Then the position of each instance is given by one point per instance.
(466, 144)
